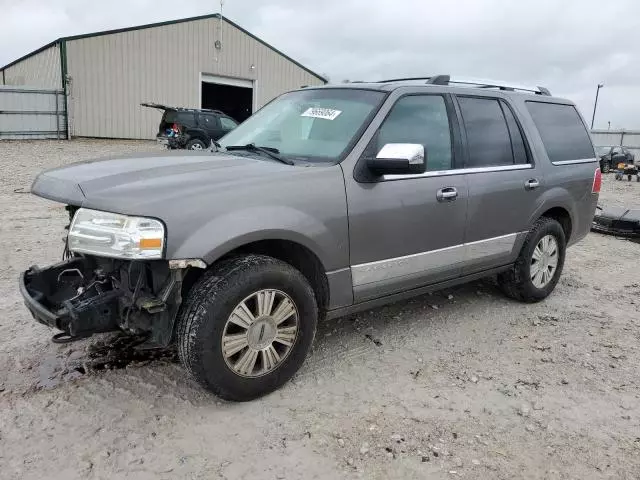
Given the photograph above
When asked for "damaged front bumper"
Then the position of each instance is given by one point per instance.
(85, 295)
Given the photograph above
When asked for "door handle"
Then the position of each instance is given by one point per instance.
(447, 194)
(531, 184)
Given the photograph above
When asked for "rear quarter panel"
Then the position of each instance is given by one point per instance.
(567, 186)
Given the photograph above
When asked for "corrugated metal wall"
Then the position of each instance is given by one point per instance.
(112, 74)
(627, 138)
(42, 70)
(30, 113)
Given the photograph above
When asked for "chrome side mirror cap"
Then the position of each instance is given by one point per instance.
(399, 158)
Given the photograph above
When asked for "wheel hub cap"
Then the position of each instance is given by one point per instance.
(260, 333)
(544, 261)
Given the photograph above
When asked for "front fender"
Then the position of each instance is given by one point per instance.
(240, 227)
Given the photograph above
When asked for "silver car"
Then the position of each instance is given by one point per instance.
(327, 201)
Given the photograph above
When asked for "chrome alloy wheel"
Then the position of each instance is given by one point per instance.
(260, 333)
(544, 261)
(197, 146)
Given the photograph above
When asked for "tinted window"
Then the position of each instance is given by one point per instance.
(563, 134)
(420, 119)
(517, 140)
(227, 123)
(208, 121)
(488, 137)
(182, 118)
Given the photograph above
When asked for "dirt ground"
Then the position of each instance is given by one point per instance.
(461, 383)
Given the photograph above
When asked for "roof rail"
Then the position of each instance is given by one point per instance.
(447, 80)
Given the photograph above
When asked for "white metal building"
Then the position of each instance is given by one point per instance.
(197, 62)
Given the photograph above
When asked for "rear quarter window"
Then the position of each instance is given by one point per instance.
(563, 133)
(181, 118)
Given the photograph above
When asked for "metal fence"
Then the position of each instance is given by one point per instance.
(32, 113)
(625, 138)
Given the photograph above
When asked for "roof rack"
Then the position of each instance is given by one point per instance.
(447, 80)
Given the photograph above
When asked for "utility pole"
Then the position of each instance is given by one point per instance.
(595, 104)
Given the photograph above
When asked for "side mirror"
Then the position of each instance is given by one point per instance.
(399, 158)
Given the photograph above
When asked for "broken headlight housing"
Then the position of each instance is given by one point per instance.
(113, 235)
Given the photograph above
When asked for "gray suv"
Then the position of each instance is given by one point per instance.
(327, 201)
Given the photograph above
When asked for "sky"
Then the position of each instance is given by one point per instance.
(565, 45)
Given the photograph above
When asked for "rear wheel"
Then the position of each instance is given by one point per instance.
(247, 326)
(539, 265)
(196, 144)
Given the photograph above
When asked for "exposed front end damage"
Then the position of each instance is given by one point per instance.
(85, 295)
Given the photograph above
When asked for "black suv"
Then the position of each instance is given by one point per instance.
(190, 128)
(610, 157)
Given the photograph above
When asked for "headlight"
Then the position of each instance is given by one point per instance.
(118, 236)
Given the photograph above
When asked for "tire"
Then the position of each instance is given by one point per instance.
(196, 144)
(517, 282)
(606, 168)
(205, 319)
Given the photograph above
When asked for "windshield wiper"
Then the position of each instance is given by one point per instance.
(271, 152)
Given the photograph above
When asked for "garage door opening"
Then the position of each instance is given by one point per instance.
(236, 99)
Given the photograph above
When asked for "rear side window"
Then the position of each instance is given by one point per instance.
(488, 139)
(563, 134)
(181, 118)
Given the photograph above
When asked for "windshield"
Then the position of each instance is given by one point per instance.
(311, 125)
(603, 150)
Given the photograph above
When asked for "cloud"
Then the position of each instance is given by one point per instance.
(567, 46)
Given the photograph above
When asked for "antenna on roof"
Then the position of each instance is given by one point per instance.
(439, 80)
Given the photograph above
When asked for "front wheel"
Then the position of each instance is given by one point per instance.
(605, 167)
(247, 326)
(539, 265)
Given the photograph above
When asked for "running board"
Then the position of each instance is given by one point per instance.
(415, 292)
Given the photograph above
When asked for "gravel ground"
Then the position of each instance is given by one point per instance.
(461, 383)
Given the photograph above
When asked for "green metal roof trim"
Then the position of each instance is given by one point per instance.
(161, 24)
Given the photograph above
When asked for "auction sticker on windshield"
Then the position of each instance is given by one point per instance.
(326, 113)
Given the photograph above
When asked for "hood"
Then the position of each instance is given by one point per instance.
(120, 184)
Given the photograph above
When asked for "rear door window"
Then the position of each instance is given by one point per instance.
(209, 122)
(562, 131)
(488, 139)
(518, 147)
